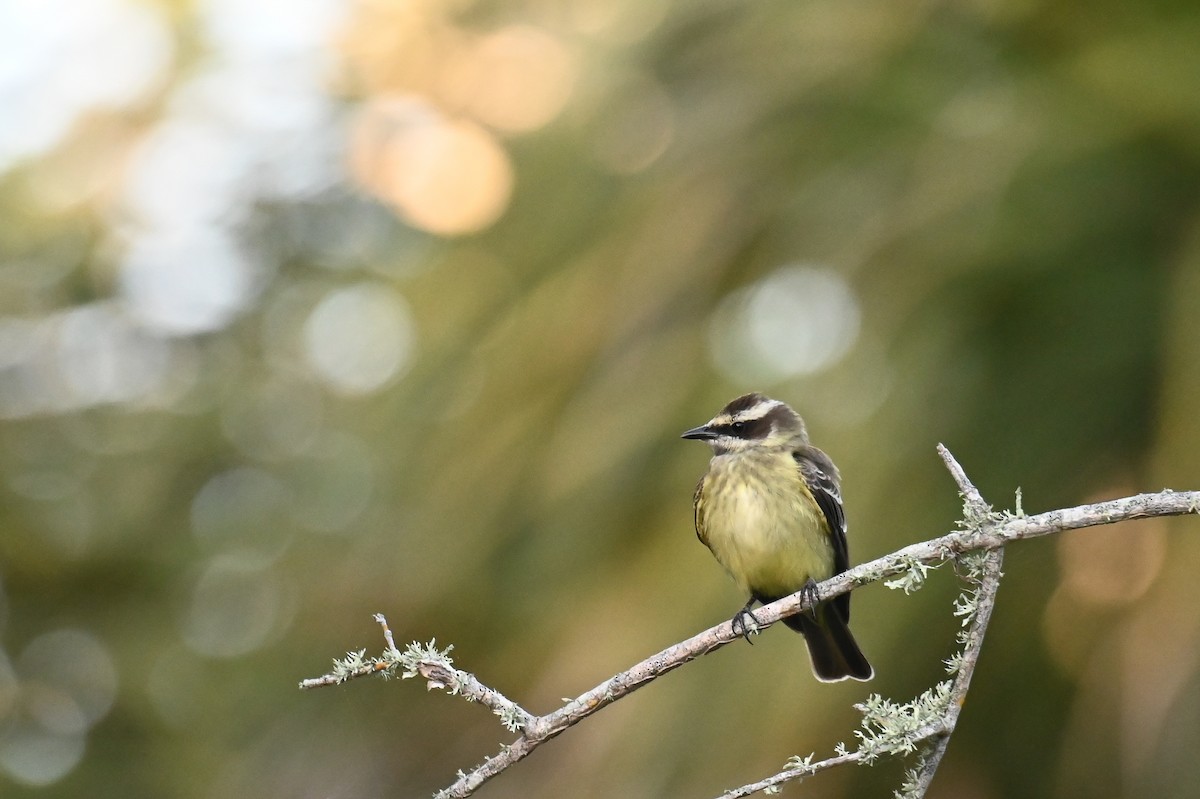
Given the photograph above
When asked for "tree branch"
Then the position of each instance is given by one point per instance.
(985, 602)
(984, 530)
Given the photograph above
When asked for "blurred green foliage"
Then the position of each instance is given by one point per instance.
(254, 389)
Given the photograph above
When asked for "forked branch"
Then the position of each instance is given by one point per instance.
(983, 531)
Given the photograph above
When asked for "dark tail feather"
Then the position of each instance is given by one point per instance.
(834, 652)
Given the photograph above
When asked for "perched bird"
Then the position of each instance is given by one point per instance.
(770, 509)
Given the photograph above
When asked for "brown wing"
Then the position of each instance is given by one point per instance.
(821, 477)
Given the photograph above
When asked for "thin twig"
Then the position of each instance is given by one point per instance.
(970, 493)
(330, 679)
(791, 775)
(387, 632)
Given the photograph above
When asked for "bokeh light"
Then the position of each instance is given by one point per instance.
(1115, 565)
(63, 683)
(62, 59)
(359, 338)
(516, 79)
(796, 321)
(89, 355)
(444, 176)
(636, 126)
(31, 755)
(238, 604)
(276, 420)
(188, 283)
(244, 508)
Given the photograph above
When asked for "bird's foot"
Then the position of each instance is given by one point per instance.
(744, 622)
(810, 594)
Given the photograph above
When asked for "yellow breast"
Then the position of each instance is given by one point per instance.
(761, 522)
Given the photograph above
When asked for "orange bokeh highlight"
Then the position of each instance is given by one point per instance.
(516, 79)
(444, 176)
(1114, 564)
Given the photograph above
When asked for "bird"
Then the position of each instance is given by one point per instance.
(769, 507)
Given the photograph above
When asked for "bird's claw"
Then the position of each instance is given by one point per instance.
(740, 626)
(812, 595)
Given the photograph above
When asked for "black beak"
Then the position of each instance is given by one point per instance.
(701, 433)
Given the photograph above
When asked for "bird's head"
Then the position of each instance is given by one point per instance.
(751, 421)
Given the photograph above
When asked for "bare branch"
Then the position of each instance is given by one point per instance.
(966, 488)
(989, 584)
(990, 535)
(985, 531)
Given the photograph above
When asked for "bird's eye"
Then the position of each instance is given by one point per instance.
(738, 428)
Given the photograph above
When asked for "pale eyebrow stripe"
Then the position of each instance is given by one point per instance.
(761, 410)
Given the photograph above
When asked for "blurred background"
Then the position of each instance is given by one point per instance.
(311, 310)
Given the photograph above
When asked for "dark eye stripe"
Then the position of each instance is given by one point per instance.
(749, 430)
